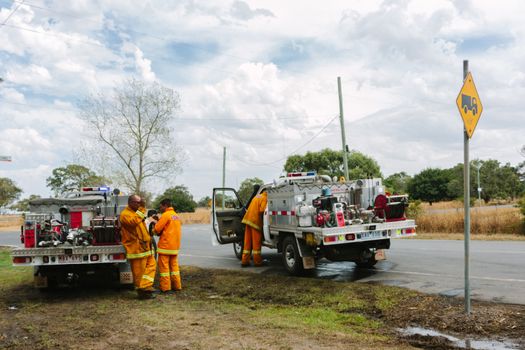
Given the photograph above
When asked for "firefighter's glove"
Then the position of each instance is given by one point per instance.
(141, 214)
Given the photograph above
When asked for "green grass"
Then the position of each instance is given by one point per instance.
(10, 275)
(316, 319)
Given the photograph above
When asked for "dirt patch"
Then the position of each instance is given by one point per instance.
(220, 309)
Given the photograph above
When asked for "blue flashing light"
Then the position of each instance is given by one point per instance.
(104, 188)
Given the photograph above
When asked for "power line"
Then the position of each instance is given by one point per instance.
(126, 29)
(298, 148)
(76, 110)
(12, 12)
(61, 35)
(241, 59)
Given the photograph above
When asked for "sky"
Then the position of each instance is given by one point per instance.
(260, 79)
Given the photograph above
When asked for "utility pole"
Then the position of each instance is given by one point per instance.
(223, 172)
(342, 121)
(479, 186)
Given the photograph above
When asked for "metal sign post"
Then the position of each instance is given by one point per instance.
(470, 109)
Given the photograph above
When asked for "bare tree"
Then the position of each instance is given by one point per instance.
(135, 125)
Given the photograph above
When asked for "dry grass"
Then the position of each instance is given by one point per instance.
(10, 221)
(442, 205)
(200, 216)
(484, 221)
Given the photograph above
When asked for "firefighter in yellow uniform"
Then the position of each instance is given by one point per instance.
(253, 230)
(137, 242)
(169, 229)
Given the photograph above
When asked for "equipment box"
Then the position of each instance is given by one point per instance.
(105, 231)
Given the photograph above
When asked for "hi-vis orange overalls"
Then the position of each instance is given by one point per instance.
(253, 231)
(137, 242)
(169, 229)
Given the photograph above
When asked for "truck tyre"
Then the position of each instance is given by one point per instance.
(292, 260)
(237, 249)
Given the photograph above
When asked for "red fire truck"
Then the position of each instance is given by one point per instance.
(74, 237)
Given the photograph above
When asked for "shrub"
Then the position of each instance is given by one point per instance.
(414, 209)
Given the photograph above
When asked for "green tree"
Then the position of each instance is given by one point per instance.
(455, 184)
(180, 197)
(430, 185)
(72, 177)
(330, 162)
(9, 191)
(135, 126)
(397, 183)
(204, 202)
(499, 182)
(246, 188)
(23, 204)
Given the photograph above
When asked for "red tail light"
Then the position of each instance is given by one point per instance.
(330, 239)
(119, 256)
(350, 237)
(21, 260)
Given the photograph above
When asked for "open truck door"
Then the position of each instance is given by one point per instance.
(227, 213)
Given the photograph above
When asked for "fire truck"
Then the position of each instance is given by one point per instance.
(310, 216)
(74, 237)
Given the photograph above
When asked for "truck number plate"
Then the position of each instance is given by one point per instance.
(64, 259)
(371, 234)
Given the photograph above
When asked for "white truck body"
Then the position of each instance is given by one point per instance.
(309, 217)
(72, 237)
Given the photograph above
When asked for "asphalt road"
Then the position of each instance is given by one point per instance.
(497, 269)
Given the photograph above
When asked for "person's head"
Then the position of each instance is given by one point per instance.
(165, 204)
(134, 202)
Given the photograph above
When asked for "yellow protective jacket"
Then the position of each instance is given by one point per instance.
(169, 229)
(253, 216)
(135, 237)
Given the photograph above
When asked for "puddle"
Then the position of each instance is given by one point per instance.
(452, 292)
(479, 344)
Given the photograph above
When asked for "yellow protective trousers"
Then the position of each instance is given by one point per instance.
(143, 270)
(252, 244)
(169, 272)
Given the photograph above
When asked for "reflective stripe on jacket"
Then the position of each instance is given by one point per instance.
(253, 216)
(169, 229)
(135, 237)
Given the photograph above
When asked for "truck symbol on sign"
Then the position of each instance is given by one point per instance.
(469, 103)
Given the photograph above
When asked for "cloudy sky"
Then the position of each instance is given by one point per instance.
(260, 78)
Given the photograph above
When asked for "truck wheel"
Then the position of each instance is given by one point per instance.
(237, 249)
(292, 260)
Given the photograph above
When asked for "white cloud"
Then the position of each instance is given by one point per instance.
(143, 66)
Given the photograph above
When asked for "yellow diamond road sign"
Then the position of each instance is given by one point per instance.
(469, 105)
